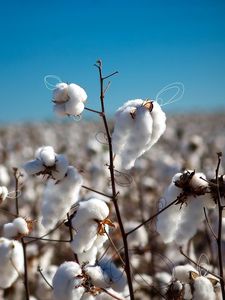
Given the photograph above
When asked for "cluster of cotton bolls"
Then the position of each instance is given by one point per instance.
(69, 99)
(138, 126)
(11, 258)
(90, 223)
(61, 191)
(19, 227)
(188, 284)
(180, 221)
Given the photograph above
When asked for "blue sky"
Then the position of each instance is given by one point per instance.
(150, 43)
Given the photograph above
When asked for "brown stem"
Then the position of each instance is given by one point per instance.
(219, 233)
(43, 276)
(95, 191)
(113, 184)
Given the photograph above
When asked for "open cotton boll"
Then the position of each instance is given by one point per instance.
(98, 277)
(3, 193)
(67, 282)
(21, 226)
(117, 277)
(88, 257)
(34, 167)
(85, 237)
(76, 93)
(193, 216)
(47, 155)
(167, 221)
(11, 262)
(90, 210)
(58, 198)
(74, 108)
(182, 273)
(203, 289)
(61, 165)
(9, 230)
(60, 93)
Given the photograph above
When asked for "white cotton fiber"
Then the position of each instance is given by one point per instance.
(11, 262)
(136, 130)
(76, 93)
(88, 296)
(90, 210)
(116, 276)
(88, 257)
(192, 217)
(85, 237)
(60, 93)
(58, 198)
(167, 221)
(3, 193)
(21, 226)
(74, 108)
(4, 176)
(98, 277)
(9, 230)
(67, 282)
(203, 289)
(33, 167)
(46, 155)
(182, 273)
(61, 165)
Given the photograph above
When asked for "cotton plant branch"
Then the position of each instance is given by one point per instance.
(219, 233)
(17, 176)
(113, 182)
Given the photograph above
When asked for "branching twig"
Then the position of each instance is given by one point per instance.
(95, 191)
(42, 275)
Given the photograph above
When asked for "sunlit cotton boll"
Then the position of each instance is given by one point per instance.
(11, 262)
(60, 93)
(3, 193)
(203, 289)
(18, 227)
(88, 257)
(67, 282)
(59, 197)
(138, 126)
(73, 104)
(46, 155)
(182, 273)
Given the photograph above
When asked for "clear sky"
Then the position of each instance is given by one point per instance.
(150, 43)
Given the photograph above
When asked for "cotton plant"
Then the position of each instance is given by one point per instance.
(138, 126)
(59, 197)
(3, 193)
(47, 163)
(188, 284)
(180, 221)
(69, 99)
(18, 228)
(90, 223)
(11, 262)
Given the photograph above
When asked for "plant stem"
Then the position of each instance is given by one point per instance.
(113, 184)
(219, 233)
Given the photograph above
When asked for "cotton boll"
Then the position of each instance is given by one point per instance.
(90, 210)
(182, 273)
(58, 198)
(4, 176)
(61, 165)
(98, 277)
(33, 167)
(203, 289)
(9, 230)
(21, 226)
(46, 155)
(193, 215)
(167, 221)
(116, 276)
(159, 123)
(11, 261)
(198, 180)
(3, 193)
(76, 93)
(88, 257)
(85, 237)
(101, 239)
(60, 93)
(74, 109)
(67, 282)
